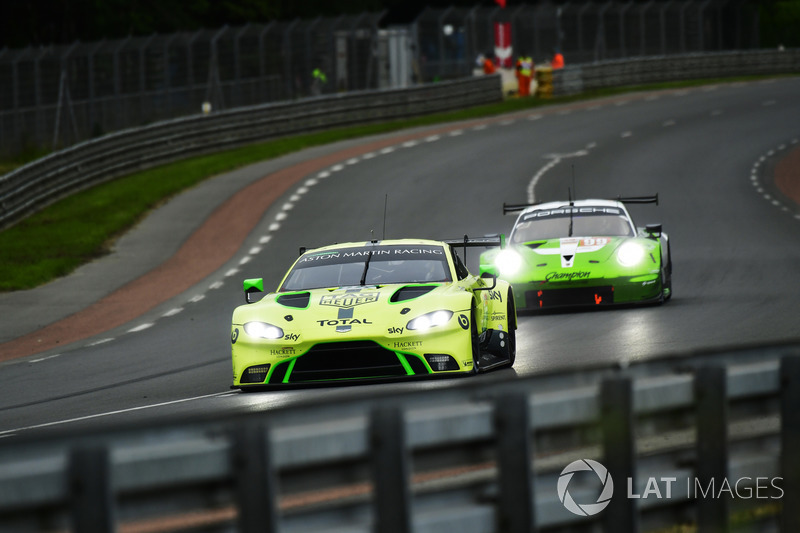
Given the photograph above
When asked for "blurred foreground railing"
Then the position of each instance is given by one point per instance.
(699, 439)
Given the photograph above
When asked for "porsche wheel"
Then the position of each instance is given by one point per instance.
(666, 275)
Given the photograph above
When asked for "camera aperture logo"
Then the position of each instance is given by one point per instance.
(586, 509)
(743, 488)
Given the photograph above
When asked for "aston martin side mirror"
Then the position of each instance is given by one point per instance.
(252, 285)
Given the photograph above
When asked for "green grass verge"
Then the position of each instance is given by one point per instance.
(82, 227)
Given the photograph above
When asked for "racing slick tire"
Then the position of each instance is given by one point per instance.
(512, 331)
(666, 273)
(476, 344)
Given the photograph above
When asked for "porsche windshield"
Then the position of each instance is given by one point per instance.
(586, 221)
(368, 265)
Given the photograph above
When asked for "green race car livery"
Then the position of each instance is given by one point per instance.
(582, 253)
(373, 311)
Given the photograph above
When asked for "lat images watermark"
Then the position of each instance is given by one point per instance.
(743, 488)
(586, 509)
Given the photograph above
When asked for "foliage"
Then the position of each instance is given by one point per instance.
(779, 24)
(45, 22)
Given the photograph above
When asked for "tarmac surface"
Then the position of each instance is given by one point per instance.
(175, 247)
(187, 239)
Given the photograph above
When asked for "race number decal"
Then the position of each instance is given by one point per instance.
(595, 241)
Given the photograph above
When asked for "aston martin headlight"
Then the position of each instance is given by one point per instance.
(429, 320)
(630, 254)
(263, 330)
(508, 262)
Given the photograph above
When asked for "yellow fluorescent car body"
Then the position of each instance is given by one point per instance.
(373, 311)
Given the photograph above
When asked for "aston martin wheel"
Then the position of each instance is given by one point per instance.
(476, 344)
(512, 331)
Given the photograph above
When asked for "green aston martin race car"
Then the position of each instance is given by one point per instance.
(582, 253)
(372, 311)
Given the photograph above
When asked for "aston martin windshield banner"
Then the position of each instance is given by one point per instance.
(377, 253)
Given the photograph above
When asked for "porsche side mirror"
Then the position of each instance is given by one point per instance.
(252, 285)
(494, 282)
(653, 230)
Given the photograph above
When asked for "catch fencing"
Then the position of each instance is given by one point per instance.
(697, 439)
(56, 96)
(451, 39)
(33, 186)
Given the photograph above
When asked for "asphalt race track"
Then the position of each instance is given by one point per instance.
(709, 152)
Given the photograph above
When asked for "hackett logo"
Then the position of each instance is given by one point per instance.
(347, 301)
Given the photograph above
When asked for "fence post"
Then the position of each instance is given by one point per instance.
(92, 499)
(391, 466)
(619, 449)
(790, 442)
(516, 503)
(257, 480)
(711, 396)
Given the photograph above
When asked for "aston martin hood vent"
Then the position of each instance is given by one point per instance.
(298, 300)
(411, 292)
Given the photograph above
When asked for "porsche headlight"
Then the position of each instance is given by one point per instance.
(429, 320)
(262, 330)
(508, 262)
(630, 254)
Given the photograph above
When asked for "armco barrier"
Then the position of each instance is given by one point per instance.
(32, 186)
(684, 439)
(638, 71)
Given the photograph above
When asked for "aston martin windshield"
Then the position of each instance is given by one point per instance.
(595, 221)
(368, 265)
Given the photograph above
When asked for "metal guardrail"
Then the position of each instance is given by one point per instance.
(32, 186)
(482, 455)
(55, 96)
(575, 79)
(29, 188)
(58, 95)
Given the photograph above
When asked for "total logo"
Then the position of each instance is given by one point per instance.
(343, 322)
(585, 509)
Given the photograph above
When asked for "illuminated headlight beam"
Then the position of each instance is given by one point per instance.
(508, 262)
(630, 254)
(262, 330)
(429, 320)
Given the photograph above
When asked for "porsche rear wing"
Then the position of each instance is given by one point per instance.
(510, 208)
(638, 199)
